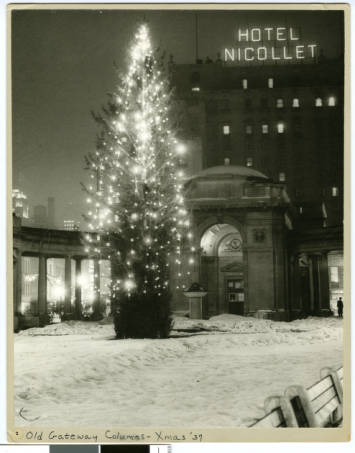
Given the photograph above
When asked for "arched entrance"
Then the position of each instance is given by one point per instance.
(222, 270)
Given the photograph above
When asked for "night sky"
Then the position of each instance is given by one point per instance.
(62, 68)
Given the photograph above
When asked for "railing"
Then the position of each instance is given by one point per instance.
(321, 405)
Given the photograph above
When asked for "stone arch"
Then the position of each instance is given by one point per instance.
(202, 227)
(223, 273)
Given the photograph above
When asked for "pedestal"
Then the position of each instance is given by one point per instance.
(196, 304)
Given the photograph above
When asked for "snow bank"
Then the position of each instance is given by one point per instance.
(311, 328)
(77, 373)
(71, 328)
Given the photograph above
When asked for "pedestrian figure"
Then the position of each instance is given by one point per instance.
(340, 306)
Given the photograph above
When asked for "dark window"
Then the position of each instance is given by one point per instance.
(212, 107)
(297, 127)
(298, 193)
(264, 103)
(195, 78)
(225, 105)
(226, 142)
(248, 105)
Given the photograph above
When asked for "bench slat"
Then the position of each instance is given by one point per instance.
(325, 413)
(340, 373)
(320, 387)
(272, 420)
(323, 399)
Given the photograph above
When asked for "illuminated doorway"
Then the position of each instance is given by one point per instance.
(57, 289)
(29, 284)
(222, 269)
(336, 278)
(93, 289)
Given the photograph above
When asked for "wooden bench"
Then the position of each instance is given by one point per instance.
(278, 414)
(274, 419)
(321, 405)
(340, 374)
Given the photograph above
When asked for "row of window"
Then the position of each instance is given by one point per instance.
(223, 105)
(270, 83)
(280, 127)
(331, 102)
(318, 102)
(282, 177)
(279, 103)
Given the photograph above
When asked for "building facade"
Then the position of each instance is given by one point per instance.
(285, 121)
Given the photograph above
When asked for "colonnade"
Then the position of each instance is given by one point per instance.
(310, 286)
(41, 310)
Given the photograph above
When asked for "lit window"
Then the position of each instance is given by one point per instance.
(300, 210)
(334, 274)
(245, 84)
(280, 128)
(282, 177)
(265, 128)
(335, 191)
(279, 103)
(226, 129)
(319, 102)
(249, 162)
(248, 129)
(295, 103)
(270, 83)
(195, 89)
(331, 101)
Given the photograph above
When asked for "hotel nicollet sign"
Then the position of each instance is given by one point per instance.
(269, 44)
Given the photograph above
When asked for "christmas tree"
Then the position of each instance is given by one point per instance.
(137, 217)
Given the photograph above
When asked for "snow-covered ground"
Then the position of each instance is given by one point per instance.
(209, 373)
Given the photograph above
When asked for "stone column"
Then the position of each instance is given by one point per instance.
(42, 286)
(96, 305)
(67, 274)
(78, 307)
(18, 282)
(311, 283)
(324, 282)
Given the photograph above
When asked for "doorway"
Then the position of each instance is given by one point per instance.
(222, 269)
(234, 293)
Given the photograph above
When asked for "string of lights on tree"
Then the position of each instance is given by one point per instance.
(136, 209)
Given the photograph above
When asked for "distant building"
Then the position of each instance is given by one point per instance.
(20, 204)
(71, 225)
(40, 216)
(51, 212)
